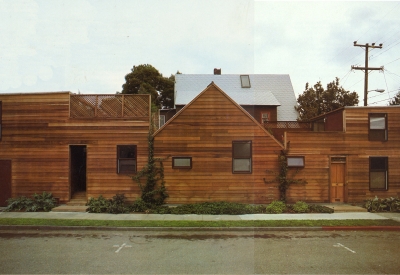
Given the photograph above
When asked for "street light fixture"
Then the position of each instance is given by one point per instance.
(366, 95)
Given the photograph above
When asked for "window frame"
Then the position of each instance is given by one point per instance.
(241, 81)
(119, 147)
(159, 121)
(386, 170)
(250, 158)
(181, 167)
(295, 157)
(372, 132)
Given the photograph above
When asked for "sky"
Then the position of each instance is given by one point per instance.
(88, 46)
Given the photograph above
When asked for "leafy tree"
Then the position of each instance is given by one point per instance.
(395, 100)
(316, 100)
(145, 79)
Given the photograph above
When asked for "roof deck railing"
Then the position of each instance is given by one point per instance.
(109, 106)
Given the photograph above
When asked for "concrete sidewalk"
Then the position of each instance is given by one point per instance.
(193, 217)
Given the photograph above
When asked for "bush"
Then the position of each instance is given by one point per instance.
(116, 205)
(138, 206)
(300, 207)
(382, 205)
(39, 202)
(276, 207)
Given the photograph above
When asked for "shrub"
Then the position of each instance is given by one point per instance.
(382, 205)
(39, 202)
(116, 205)
(99, 205)
(276, 207)
(300, 207)
(138, 206)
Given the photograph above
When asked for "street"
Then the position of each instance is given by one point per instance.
(199, 252)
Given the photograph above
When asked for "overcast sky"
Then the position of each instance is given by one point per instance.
(88, 46)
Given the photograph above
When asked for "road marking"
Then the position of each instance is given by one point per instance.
(120, 247)
(341, 245)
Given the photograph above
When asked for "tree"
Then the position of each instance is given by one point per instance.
(395, 100)
(316, 100)
(145, 79)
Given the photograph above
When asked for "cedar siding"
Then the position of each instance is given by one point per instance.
(350, 143)
(37, 132)
(204, 130)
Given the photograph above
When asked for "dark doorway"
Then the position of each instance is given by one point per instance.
(77, 168)
(5, 181)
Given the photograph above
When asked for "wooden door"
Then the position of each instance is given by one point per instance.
(337, 184)
(5, 181)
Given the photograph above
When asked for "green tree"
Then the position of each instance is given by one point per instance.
(145, 79)
(315, 101)
(395, 100)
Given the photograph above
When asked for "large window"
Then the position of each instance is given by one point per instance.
(378, 127)
(181, 162)
(378, 173)
(126, 159)
(241, 156)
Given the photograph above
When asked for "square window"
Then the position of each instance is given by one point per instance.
(181, 162)
(377, 127)
(241, 156)
(378, 173)
(293, 161)
(245, 81)
(126, 159)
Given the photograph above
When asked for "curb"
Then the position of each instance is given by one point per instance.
(238, 229)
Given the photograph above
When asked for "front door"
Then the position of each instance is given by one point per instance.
(337, 182)
(77, 168)
(5, 181)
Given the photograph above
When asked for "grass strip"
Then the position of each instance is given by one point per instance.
(141, 223)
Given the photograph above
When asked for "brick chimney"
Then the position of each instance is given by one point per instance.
(217, 71)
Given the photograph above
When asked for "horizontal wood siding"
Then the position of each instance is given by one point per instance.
(37, 133)
(318, 147)
(204, 130)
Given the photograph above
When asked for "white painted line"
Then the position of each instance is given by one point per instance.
(341, 245)
(120, 247)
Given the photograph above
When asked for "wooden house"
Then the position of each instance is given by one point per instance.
(266, 97)
(348, 155)
(215, 150)
(65, 143)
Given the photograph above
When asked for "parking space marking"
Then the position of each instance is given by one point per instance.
(341, 245)
(120, 247)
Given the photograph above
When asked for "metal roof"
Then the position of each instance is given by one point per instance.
(266, 89)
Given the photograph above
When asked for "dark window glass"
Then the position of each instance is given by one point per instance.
(241, 156)
(377, 127)
(126, 159)
(378, 173)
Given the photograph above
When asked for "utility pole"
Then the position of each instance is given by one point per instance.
(366, 69)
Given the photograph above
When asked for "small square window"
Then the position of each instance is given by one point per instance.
(126, 159)
(245, 81)
(182, 162)
(378, 173)
(295, 161)
(241, 157)
(377, 127)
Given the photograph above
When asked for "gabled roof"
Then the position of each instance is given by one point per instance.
(266, 89)
(231, 100)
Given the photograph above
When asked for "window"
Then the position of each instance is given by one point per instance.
(241, 156)
(245, 81)
(264, 117)
(161, 120)
(377, 127)
(378, 173)
(293, 161)
(182, 162)
(126, 159)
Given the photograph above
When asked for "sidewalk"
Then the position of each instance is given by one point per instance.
(193, 217)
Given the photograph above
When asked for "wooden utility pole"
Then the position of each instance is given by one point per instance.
(366, 69)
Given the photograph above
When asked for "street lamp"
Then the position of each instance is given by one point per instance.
(366, 95)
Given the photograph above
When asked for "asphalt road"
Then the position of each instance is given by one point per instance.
(202, 252)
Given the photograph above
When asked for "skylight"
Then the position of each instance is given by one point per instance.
(245, 80)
